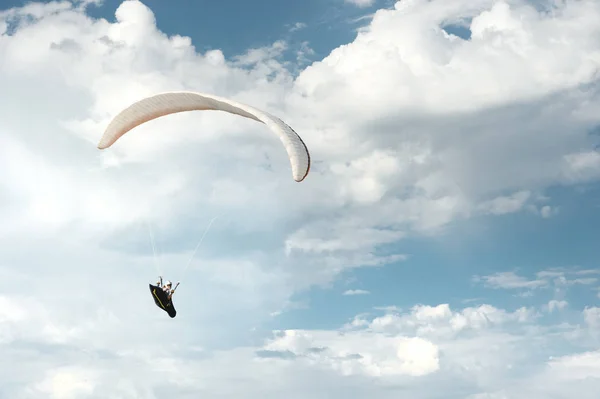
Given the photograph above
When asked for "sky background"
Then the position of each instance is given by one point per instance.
(444, 244)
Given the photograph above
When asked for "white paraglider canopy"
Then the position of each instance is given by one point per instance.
(173, 102)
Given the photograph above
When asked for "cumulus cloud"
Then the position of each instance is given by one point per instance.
(382, 159)
(385, 356)
(475, 351)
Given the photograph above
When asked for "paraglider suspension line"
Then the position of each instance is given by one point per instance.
(156, 262)
(199, 243)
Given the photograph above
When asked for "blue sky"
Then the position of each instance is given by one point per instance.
(235, 26)
(440, 269)
(454, 189)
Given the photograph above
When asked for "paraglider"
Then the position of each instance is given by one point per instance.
(163, 296)
(168, 103)
(174, 102)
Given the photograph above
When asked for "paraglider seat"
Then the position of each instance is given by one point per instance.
(162, 301)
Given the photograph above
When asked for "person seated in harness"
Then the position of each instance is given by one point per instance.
(167, 288)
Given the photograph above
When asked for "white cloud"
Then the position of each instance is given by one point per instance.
(577, 367)
(547, 211)
(441, 320)
(558, 279)
(356, 292)
(480, 357)
(510, 280)
(86, 3)
(426, 347)
(298, 26)
(361, 3)
(510, 204)
(556, 305)
(583, 166)
(392, 172)
(592, 318)
(66, 384)
(386, 356)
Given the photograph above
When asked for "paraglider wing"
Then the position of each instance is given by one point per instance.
(173, 102)
(162, 301)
